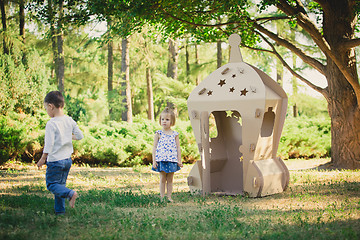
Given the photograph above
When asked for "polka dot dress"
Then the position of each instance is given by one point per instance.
(166, 153)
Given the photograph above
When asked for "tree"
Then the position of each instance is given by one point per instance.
(125, 85)
(58, 15)
(150, 97)
(173, 59)
(331, 24)
(110, 63)
(60, 51)
(4, 27)
(219, 53)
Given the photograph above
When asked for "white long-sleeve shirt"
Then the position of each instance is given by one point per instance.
(58, 137)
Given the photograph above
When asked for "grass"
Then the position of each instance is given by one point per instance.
(123, 203)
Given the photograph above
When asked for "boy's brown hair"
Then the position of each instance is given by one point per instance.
(169, 111)
(56, 98)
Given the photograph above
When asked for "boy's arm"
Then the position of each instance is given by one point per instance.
(42, 160)
(77, 133)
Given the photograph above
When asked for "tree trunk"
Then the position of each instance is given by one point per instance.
(279, 72)
(54, 68)
(3, 20)
(342, 104)
(22, 28)
(295, 110)
(60, 51)
(219, 54)
(125, 85)
(197, 63)
(294, 82)
(150, 95)
(345, 119)
(187, 59)
(172, 70)
(279, 65)
(110, 71)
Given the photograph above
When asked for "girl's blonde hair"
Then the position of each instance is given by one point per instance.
(169, 111)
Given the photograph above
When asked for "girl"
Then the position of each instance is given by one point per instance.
(166, 152)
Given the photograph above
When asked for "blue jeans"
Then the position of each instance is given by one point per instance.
(56, 175)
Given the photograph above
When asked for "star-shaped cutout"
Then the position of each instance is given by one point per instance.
(228, 113)
(221, 83)
(243, 92)
(232, 89)
(234, 76)
(209, 93)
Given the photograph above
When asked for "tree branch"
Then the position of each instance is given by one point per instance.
(193, 23)
(316, 35)
(271, 18)
(310, 84)
(306, 24)
(309, 60)
(351, 43)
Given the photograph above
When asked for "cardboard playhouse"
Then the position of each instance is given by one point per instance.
(248, 110)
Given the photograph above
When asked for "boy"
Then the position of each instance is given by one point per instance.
(60, 130)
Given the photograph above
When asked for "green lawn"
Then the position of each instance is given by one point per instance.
(123, 203)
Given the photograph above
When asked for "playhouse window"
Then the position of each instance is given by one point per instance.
(213, 132)
(233, 115)
(268, 123)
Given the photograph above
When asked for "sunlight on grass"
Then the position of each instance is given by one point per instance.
(123, 203)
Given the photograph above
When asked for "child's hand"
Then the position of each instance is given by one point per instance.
(180, 164)
(155, 165)
(42, 160)
(40, 163)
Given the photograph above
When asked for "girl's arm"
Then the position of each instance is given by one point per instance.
(156, 140)
(178, 151)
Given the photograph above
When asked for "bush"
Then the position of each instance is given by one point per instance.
(10, 141)
(22, 136)
(312, 107)
(305, 137)
(124, 144)
(22, 87)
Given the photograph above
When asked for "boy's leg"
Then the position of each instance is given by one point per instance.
(59, 205)
(56, 175)
(169, 185)
(72, 199)
(162, 184)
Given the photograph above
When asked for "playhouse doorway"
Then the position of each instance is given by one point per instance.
(225, 165)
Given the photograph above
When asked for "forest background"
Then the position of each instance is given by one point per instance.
(115, 87)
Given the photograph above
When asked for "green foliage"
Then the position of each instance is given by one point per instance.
(128, 144)
(165, 15)
(10, 141)
(131, 144)
(22, 87)
(75, 108)
(305, 137)
(309, 106)
(22, 136)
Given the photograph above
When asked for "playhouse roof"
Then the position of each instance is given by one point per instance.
(236, 81)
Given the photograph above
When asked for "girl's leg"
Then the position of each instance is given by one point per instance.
(169, 180)
(162, 184)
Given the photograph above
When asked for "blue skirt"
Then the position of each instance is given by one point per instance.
(167, 167)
